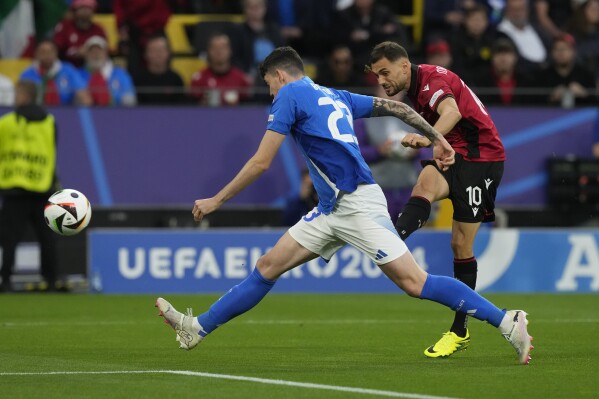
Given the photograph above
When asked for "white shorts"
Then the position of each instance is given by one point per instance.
(360, 219)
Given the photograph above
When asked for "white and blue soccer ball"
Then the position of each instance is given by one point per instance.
(67, 212)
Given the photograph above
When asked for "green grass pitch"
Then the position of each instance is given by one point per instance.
(366, 342)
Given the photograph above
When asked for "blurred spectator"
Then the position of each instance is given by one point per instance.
(157, 83)
(552, 15)
(471, 44)
(107, 83)
(71, 33)
(220, 83)
(571, 83)
(530, 40)
(584, 25)
(441, 16)
(7, 91)
(299, 205)
(216, 6)
(181, 6)
(340, 71)
(60, 83)
(104, 7)
(499, 82)
(393, 165)
(365, 24)
(255, 38)
(137, 21)
(438, 53)
(305, 24)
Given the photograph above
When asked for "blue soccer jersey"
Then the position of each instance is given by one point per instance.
(320, 120)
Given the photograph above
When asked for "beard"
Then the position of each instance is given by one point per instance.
(392, 90)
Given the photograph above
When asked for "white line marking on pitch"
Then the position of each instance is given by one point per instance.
(307, 385)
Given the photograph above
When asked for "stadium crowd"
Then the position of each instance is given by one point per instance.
(541, 52)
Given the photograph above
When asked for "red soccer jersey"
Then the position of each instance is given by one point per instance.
(475, 136)
(69, 40)
(230, 87)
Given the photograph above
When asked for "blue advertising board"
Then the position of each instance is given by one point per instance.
(193, 261)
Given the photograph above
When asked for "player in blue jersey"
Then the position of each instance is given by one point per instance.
(352, 208)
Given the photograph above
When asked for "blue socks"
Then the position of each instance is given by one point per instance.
(444, 290)
(459, 297)
(236, 301)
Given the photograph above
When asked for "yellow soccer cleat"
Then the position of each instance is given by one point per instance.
(447, 345)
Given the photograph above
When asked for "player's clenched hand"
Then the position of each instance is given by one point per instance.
(443, 154)
(414, 140)
(203, 207)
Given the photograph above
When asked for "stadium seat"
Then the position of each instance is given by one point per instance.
(187, 66)
(443, 217)
(13, 67)
(200, 33)
(178, 26)
(108, 22)
(415, 21)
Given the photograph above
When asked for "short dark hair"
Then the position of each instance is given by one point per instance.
(159, 36)
(29, 87)
(46, 41)
(477, 8)
(389, 50)
(285, 58)
(503, 45)
(216, 34)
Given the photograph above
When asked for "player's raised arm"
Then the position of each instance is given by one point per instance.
(385, 107)
(442, 151)
(449, 115)
(252, 169)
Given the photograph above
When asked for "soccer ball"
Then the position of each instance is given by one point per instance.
(67, 212)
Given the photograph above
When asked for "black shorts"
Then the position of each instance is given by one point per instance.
(472, 188)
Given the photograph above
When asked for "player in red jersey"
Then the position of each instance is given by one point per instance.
(448, 104)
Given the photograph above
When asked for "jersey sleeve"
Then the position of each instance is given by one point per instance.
(360, 105)
(126, 83)
(282, 112)
(75, 79)
(29, 74)
(438, 89)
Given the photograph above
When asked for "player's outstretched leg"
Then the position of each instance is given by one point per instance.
(188, 336)
(239, 299)
(405, 272)
(459, 297)
(285, 255)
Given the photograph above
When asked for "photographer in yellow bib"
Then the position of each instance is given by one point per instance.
(27, 179)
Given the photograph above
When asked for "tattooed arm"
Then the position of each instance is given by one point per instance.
(384, 107)
(442, 151)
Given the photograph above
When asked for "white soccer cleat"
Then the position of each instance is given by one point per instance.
(181, 323)
(517, 334)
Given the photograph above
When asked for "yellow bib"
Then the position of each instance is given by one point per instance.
(27, 153)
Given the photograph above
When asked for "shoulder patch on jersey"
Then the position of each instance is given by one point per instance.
(426, 88)
(271, 117)
(435, 97)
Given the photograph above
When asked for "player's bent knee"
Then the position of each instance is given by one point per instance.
(267, 268)
(412, 288)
